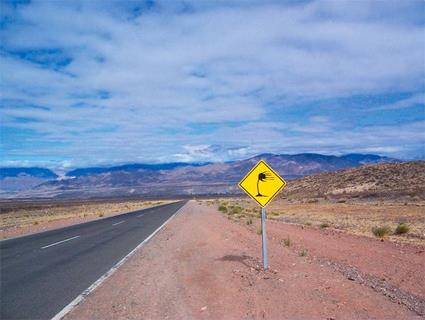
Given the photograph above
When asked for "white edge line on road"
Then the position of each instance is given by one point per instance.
(114, 224)
(109, 273)
(53, 244)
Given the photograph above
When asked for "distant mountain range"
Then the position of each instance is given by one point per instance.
(15, 179)
(171, 179)
(131, 167)
(42, 173)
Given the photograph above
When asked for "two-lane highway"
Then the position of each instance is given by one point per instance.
(40, 274)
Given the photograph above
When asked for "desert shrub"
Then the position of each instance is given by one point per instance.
(402, 228)
(249, 221)
(36, 222)
(324, 225)
(308, 223)
(287, 242)
(274, 213)
(381, 231)
(101, 214)
(302, 253)
(222, 208)
(259, 230)
(236, 210)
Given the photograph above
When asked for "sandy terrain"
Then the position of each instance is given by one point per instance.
(18, 220)
(203, 265)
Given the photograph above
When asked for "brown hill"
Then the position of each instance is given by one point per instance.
(389, 181)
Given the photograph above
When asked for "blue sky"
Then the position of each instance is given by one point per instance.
(104, 82)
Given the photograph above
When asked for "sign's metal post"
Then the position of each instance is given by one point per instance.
(264, 237)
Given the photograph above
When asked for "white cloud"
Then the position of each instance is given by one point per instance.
(417, 99)
(214, 153)
(135, 87)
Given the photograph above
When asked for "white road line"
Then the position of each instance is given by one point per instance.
(114, 224)
(109, 273)
(53, 244)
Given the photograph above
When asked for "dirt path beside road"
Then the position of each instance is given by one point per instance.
(204, 266)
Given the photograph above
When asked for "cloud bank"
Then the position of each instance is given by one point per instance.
(108, 82)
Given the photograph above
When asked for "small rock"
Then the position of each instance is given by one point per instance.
(204, 308)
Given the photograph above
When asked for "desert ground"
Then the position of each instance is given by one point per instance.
(206, 264)
(22, 218)
(356, 217)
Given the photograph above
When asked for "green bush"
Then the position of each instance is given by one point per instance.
(236, 210)
(324, 225)
(381, 231)
(222, 208)
(402, 228)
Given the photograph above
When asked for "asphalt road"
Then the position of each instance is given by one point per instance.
(42, 273)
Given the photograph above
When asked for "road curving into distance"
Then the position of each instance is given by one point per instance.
(40, 274)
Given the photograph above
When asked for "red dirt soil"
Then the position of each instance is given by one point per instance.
(204, 266)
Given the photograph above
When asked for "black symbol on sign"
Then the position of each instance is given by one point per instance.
(263, 177)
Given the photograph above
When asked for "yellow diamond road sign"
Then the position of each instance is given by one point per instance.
(262, 184)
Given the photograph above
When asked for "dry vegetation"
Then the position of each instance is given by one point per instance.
(397, 222)
(21, 217)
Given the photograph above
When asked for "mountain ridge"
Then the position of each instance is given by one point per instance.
(181, 178)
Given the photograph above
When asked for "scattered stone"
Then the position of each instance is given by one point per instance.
(381, 285)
